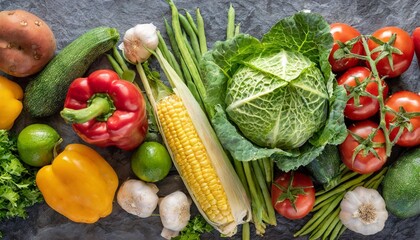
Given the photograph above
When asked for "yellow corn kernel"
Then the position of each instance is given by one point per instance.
(192, 160)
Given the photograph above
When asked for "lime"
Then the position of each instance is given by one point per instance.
(151, 162)
(36, 144)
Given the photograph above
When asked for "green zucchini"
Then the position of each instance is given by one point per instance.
(401, 185)
(45, 94)
(326, 167)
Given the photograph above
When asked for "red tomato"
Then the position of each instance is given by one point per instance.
(416, 41)
(367, 106)
(298, 194)
(410, 101)
(403, 42)
(364, 162)
(343, 33)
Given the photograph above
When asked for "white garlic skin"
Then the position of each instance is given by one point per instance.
(137, 42)
(138, 198)
(353, 219)
(174, 210)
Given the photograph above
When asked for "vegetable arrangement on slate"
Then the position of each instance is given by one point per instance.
(177, 130)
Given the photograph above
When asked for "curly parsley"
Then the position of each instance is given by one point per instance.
(17, 181)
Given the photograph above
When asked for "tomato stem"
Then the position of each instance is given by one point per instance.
(382, 111)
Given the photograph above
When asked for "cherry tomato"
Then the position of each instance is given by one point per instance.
(293, 195)
(367, 106)
(410, 102)
(403, 42)
(416, 41)
(343, 33)
(364, 161)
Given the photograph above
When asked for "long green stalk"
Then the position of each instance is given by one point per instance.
(201, 32)
(191, 22)
(172, 41)
(256, 202)
(192, 35)
(168, 55)
(265, 193)
(230, 30)
(184, 51)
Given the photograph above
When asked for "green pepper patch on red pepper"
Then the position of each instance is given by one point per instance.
(106, 110)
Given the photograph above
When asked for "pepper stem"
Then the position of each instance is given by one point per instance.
(100, 106)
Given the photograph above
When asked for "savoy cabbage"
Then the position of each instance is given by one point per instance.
(276, 97)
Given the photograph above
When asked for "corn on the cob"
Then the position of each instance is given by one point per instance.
(191, 156)
(196, 152)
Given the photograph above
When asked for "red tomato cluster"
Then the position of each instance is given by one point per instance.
(394, 40)
(364, 149)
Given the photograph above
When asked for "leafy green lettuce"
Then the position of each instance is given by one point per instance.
(306, 34)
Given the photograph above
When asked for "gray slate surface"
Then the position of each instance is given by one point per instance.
(69, 19)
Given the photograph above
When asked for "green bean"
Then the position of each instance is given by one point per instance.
(115, 65)
(201, 32)
(241, 174)
(378, 182)
(192, 35)
(191, 22)
(185, 71)
(163, 48)
(265, 193)
(348, 176)
(172, 41)
(176, 65)
(169, 56)
(195, 75)
(256, 201)
(343, 167)
(343, 179)
(246, 232)
(319, 205)
(193, 89)
(237, 29)
(190, 50)
(324, 226)
(319, 216)
(328, 231)
(369, 183)
(342, 188)
(335, 233)
(373, 181)
(342, 229)
(268, 170)
(230, 30)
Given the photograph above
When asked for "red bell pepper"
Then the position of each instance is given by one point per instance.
(106, 111)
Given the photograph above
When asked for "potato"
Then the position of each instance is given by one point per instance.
(26, 43)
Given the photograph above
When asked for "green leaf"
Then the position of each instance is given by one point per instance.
(239, 147)
(335, 131)
(307, 33)
(221, 63)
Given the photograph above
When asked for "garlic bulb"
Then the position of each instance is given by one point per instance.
(138, 198)
(174, 210)
(363, 211)
(137, 42)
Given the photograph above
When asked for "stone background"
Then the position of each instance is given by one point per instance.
(69, 19)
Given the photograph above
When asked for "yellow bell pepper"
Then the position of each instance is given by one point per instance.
(11, 95)
(79, 184)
